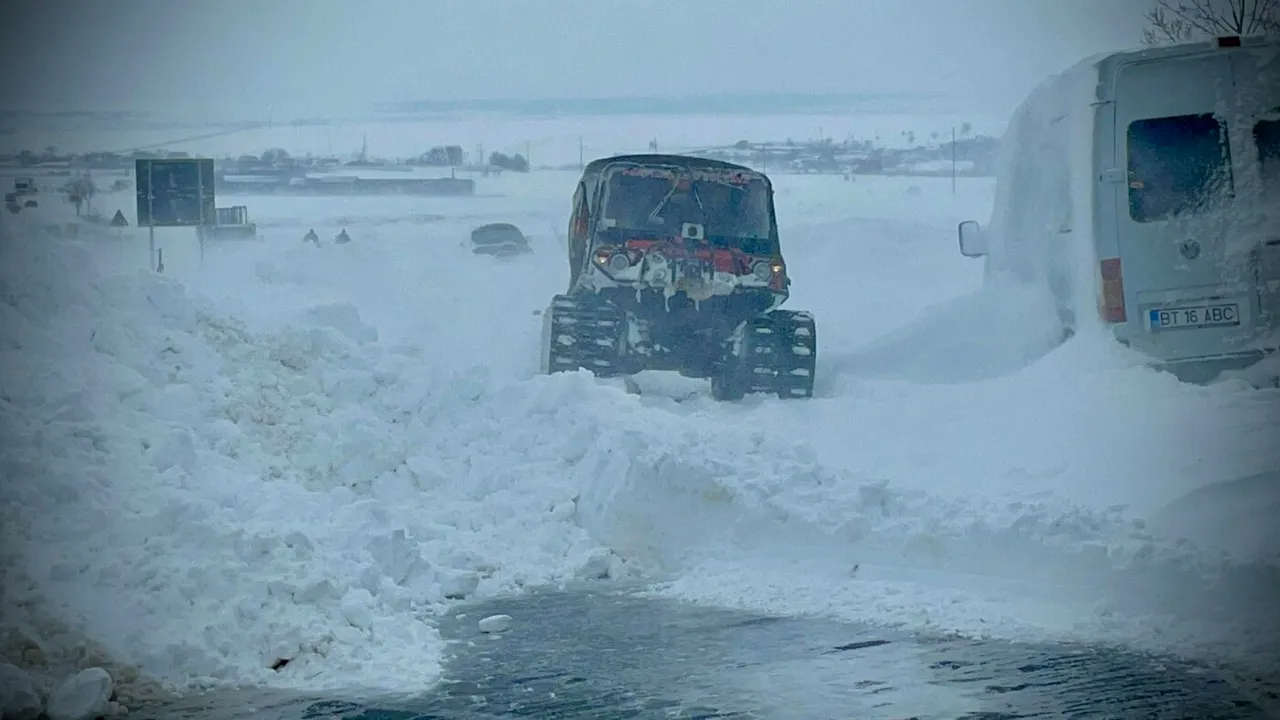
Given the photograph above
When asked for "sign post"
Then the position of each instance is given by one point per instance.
(174, 193)
(153, 263)
(203, 220)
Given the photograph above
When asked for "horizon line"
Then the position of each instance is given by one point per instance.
(670, 103)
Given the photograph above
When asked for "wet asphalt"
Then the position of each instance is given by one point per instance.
(612, 654)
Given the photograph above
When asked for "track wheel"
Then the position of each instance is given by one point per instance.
(582, 333)
(777, 354)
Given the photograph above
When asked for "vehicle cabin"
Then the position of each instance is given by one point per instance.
(1135, 187)
(621, 194)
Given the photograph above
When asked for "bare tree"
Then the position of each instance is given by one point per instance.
(80, 191)
(1177, 21)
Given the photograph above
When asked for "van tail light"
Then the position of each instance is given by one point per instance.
(1112, 306)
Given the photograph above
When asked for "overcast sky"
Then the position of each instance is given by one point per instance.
(297, 56)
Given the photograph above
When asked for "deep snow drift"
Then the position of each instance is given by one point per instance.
(205, 501)
(303, 454)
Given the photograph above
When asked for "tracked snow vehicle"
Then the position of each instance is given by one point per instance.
(675, 264)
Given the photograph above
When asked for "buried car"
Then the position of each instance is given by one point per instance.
(675, 264)
(501, 239)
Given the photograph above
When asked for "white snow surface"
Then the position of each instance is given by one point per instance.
(295, 453)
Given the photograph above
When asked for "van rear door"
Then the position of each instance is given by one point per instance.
(1256, 72)
(1188, 291)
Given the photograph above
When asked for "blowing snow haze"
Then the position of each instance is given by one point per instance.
(459, 358)
(286, 58)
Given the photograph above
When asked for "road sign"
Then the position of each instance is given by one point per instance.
(175, 193)
(119, 220)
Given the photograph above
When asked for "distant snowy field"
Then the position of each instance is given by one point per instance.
(295, 453)
(552, 140)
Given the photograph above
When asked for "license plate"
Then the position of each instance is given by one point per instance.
(696, 269)
(1196, 316)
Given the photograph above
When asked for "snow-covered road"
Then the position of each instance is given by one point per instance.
(280, 465)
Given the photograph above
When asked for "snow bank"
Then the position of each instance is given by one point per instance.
(1084, 497)
(211, 504)
(1032, 565)
(1236, 517)
(994, 331)
(1018, 507)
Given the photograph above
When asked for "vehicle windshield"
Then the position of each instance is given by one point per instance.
(732, 206)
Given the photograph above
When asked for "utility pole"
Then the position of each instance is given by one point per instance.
(953, 159)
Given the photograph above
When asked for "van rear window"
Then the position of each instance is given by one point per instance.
(1266, 135)
(1177, 166)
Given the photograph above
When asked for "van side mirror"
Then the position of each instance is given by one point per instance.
(972, 242)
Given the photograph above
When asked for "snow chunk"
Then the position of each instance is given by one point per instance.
(494, 623)
(598, 564)
(458, 584)
(357, 607)
(84, 696)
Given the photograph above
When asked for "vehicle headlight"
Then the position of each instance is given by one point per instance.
(762, 270)
(619, 261)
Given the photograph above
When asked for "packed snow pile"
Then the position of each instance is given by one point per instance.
(210, 504)
(208, 499)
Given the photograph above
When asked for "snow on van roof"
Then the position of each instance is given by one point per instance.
(1056, 113)
(1088, 81)
(1039, 122)
(1100, 65)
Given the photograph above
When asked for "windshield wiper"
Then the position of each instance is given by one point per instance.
(655, 218)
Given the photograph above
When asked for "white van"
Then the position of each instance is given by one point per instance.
(1144, 187)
